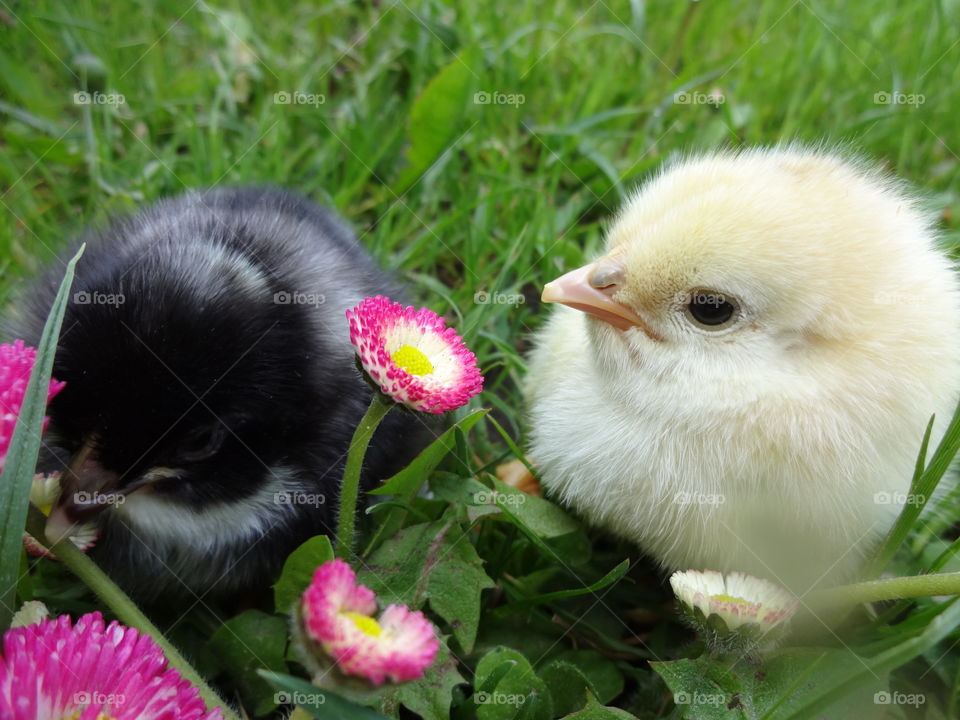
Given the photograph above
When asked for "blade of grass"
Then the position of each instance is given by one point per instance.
(21, 461)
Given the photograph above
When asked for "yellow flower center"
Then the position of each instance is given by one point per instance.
(364, 623)
(730, 598)
(412, 360)
(78, 713)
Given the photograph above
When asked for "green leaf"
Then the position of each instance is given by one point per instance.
(21, 461)
(298, 571)
(430, 696)
(595, 711)
(925, 481)
(606, 681)
(318, 702)
(407, 482)
(436, 115)
(611, 577)
(245, 644)
(435, 562)
(539, 516)
(506, 687)
(777, 688)
(568, 686)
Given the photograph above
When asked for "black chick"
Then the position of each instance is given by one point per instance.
(211, 391)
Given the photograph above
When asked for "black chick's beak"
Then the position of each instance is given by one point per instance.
(86, 488)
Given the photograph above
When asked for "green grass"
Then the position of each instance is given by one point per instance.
(522, 193)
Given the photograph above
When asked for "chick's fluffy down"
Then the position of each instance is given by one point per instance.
(783, 445)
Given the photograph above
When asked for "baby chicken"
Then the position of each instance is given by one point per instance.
(211, 391)
(755, 360)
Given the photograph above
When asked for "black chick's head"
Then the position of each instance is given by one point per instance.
(210, 388)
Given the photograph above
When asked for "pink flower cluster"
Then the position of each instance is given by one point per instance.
(338, 615)
(413, 356)
(91, 671)
(16, 363)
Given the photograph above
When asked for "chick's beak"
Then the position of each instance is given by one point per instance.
(86, 488)
(591, 288)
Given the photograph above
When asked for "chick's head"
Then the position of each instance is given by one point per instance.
(771, 327)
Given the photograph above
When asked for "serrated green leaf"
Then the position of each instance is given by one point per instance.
(430, 696)
(298, 570)
(247, 643)
(435, 118)
(568, 686)
(432, 562)
(507, 687)
(21, 461)
(595, 711)
(316, 701)
(540, 516)
(606, 681)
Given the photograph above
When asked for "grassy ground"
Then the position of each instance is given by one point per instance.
(584, 104)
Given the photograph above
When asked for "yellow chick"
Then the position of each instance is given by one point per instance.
(757, 357)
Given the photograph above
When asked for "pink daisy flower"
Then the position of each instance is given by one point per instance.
(16, 363)
(89, 671)
(338, 616)
(413, 356)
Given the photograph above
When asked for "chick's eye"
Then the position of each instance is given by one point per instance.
(711, 310)
(202, 443)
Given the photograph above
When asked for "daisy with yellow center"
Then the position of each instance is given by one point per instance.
(340, 629)
(412, 358)
(726, 606)
(55, 669)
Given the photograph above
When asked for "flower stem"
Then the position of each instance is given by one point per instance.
(123, 607)
(350, 487)
(890, 589)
